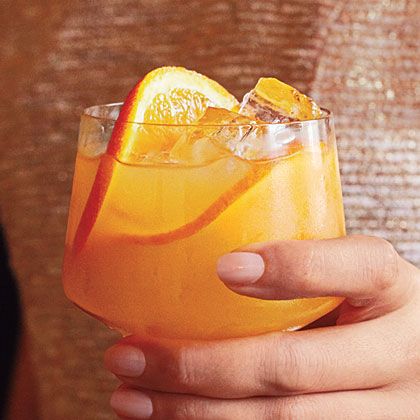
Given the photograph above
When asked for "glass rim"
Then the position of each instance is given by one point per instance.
(88, 112)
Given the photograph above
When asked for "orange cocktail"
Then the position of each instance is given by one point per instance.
(146, 261)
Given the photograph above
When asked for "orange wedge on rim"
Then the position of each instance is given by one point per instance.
(167, 95)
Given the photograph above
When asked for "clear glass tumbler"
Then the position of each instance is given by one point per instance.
(144, 234)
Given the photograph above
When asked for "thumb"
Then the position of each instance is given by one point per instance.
(365, 270)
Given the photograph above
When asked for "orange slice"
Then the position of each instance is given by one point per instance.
(210, 214)
(167, 95)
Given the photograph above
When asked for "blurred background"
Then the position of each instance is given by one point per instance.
(358, 58)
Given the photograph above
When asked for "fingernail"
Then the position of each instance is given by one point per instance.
(131, 403)
(240, 267)
(125, 360)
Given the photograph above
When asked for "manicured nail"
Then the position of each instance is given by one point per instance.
(125, 360)
(131, 403)
(239, 268)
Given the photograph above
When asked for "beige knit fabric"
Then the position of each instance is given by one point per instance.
(358, 58)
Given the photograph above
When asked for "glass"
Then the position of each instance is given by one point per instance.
(148, 264)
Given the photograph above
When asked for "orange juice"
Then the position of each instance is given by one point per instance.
(148, 265)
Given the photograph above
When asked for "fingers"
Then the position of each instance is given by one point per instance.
(361, 356)
(363, 269)
(374, 404)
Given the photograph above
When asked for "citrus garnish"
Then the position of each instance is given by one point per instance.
(167, 95)
(210, 214)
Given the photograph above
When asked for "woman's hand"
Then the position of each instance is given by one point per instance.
(367, 366)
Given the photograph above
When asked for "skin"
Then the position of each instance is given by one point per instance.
(366, 364)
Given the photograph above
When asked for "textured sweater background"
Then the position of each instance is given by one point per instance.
(357, 58)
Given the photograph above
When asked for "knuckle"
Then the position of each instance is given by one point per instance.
(310, 268)
(185, 372)
(388, 265)
(273, 252)
(289, 409)
(190, 409)
(286, 368)
(409, 354)
(298, 264)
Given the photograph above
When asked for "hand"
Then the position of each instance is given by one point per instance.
(366, 366)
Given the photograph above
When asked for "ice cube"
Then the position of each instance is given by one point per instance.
(258, 108)
(211, 138)
(196, 148)
(222, 133)
(265, 142)
(94, 136)
(274, 101)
